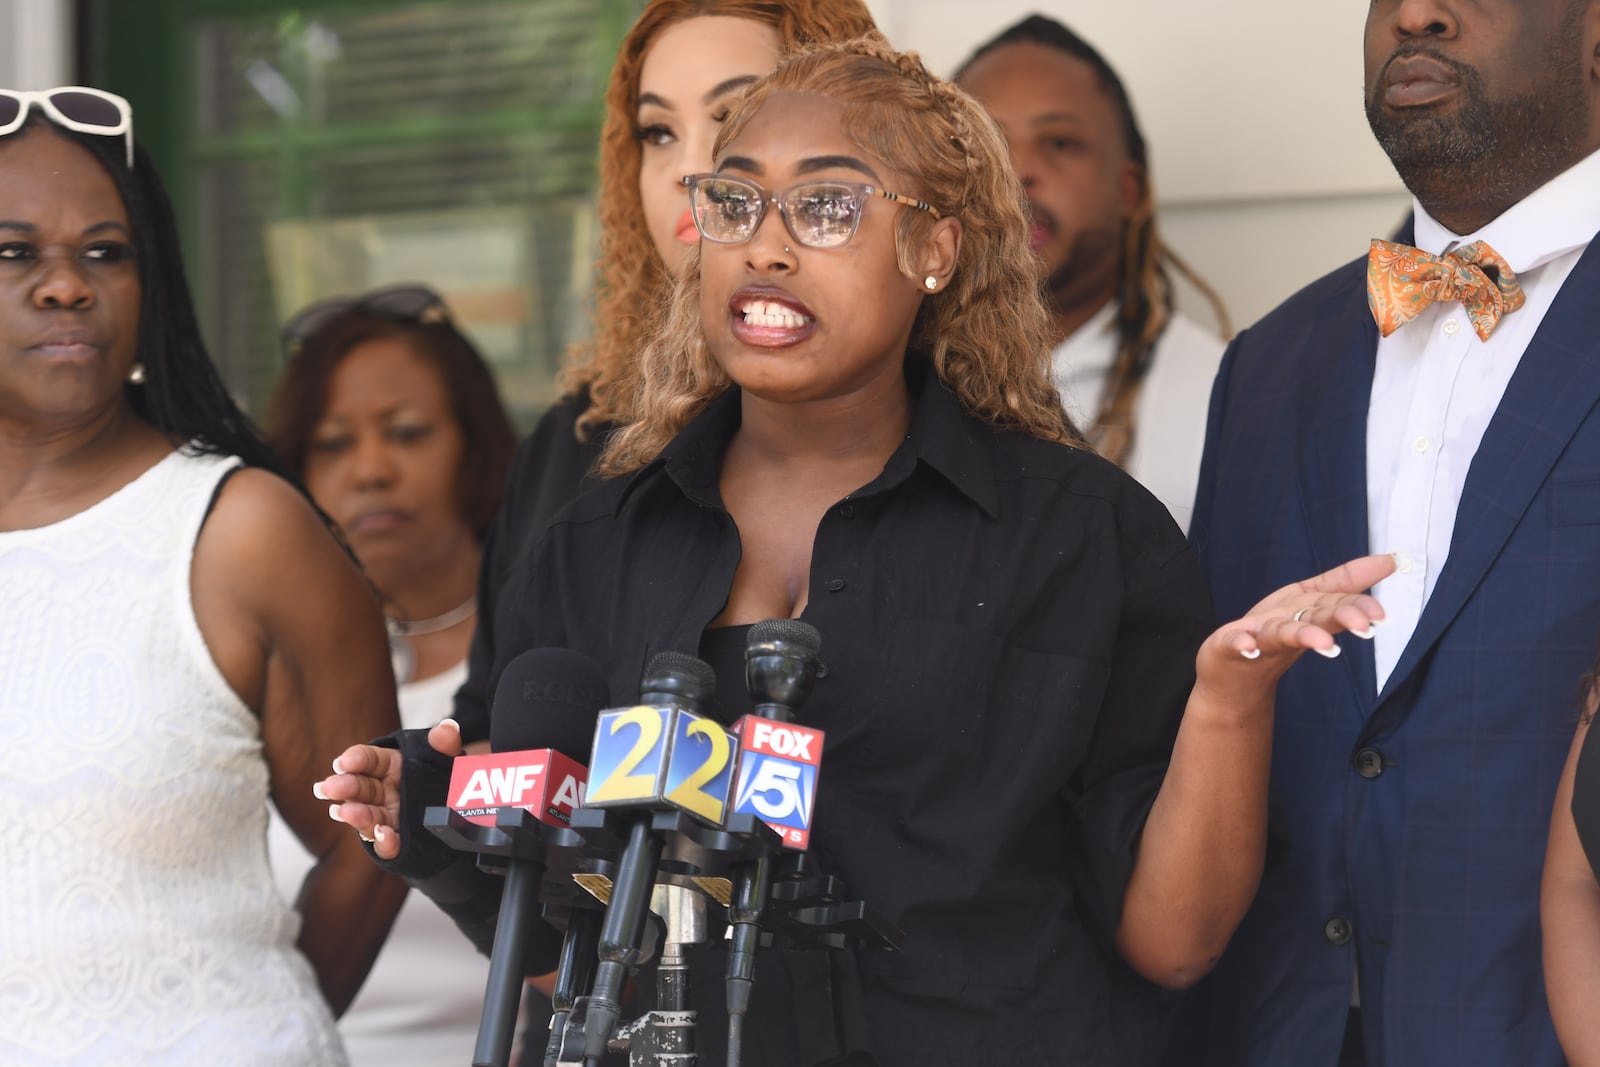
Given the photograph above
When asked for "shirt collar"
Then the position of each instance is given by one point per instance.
(1561, 215)
(941, 435)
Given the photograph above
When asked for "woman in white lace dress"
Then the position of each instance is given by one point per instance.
(181, 638)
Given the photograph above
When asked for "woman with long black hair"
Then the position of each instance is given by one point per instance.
(182, 638)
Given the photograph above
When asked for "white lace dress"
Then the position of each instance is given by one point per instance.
(138, 919)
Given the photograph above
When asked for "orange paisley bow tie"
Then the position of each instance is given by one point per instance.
(1402, 281)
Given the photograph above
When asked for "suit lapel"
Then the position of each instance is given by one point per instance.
(1333, 458)
(1552, 392)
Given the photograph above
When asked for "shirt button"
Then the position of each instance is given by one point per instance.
(835, 584)
(1421, 444)
(1369, 763)
(847, 511)
(1452, 327)
(1337, 930)
(1402, 563)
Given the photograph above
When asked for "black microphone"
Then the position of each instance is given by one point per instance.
(543, 693)
(662, 754)
(777, 780)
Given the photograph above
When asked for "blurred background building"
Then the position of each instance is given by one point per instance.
(320, 147)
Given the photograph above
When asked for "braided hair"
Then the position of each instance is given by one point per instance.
(987, 335)
(1144, 290)
(630, 277)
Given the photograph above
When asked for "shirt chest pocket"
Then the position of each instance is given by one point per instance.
(982, 704)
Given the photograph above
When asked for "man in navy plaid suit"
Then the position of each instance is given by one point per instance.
(1397, 922)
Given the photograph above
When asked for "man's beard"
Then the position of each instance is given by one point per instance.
(1091, 251)
(1491, 152)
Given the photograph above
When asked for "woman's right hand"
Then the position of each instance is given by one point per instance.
(364, 789)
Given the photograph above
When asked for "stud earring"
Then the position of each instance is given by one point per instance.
(136, 375)
(931, 282)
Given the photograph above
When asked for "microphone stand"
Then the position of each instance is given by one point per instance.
(667, 1034)
(782, 661)
(574, 973)
(519, 841)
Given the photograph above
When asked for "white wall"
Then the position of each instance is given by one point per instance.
(1266, 172)
(35, 43)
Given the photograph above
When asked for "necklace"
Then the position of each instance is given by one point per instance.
(402, 656)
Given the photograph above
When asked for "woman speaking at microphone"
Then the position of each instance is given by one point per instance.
(678, 70)
(845, 417)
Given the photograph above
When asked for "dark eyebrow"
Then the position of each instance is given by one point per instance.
(723, 88)
(99, 227)
(816, 163)
(809, 165)
(1057, 116)
(744, 163)
(738, 81)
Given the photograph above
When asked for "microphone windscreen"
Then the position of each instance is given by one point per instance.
(679, 676)
(791, 631)
(547, 698)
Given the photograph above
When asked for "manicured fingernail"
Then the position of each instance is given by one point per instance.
(1327, 653)
(333, 813)
(1365, 635)
(452, 722)
(1250, 653)
(381, 833)
(336, 768)
(316, 791)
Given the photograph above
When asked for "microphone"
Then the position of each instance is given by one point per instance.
(675, 757)
(778, 765)
(501, 803)
(662, 754)
(778, 759)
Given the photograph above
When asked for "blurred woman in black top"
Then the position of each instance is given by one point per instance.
(847, 419)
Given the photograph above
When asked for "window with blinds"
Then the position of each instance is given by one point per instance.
(328, 148)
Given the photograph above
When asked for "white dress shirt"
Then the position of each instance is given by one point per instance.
(1436, 386)
(1170, 416)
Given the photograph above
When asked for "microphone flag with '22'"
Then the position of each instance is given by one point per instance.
(510, 804)
(662, 755)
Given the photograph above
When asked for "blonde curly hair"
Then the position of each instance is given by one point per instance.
(987, 335)
(630, 275)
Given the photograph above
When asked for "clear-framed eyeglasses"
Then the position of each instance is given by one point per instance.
(818, 214)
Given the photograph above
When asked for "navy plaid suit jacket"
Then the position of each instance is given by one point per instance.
(1408, 825)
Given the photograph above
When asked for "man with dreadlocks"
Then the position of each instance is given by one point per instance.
(1132, 371)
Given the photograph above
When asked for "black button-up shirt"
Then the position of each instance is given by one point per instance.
(1010, 628)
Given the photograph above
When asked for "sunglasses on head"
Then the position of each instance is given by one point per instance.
(404, 303)
(819, 214)
(74, 107)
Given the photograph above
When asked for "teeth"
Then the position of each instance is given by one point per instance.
(773, 315)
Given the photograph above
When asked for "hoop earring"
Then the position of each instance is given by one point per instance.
(931, 282)
(136, 375)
